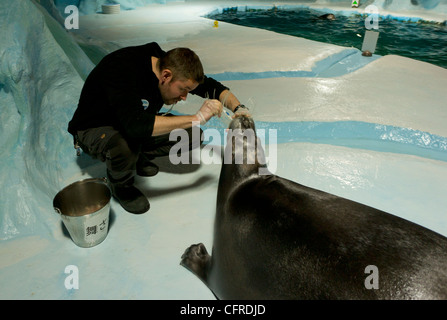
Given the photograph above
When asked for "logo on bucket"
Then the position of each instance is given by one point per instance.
(92, 230)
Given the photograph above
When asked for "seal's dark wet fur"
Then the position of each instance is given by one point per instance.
(277, 239)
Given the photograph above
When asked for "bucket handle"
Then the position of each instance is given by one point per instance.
(102, 180)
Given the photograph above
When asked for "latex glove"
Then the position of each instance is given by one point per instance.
(242, 111)
(209, 109)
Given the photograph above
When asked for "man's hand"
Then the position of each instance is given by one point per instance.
(209, 109)
(242, 112)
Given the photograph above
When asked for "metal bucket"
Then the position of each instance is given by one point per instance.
(84, 207)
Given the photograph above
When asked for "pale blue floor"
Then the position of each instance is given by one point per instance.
(369, 130)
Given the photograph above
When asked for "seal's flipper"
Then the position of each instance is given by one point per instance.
(196, 259)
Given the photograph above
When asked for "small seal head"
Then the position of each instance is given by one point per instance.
(327, 16)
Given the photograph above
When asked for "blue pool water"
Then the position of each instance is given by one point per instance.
(352, 134)
(361, 135)
(417, 39)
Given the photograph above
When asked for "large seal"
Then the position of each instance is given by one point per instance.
(277, 239)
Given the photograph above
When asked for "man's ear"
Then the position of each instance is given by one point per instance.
(166, 75)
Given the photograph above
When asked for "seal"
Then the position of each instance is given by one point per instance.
(327, 16)
(277, 239)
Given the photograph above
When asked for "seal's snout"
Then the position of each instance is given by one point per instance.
(242, 122)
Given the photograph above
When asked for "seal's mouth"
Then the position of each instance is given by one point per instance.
(242, 122)
(243, 146)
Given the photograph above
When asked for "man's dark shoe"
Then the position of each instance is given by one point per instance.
(130, 198)
(145, 168)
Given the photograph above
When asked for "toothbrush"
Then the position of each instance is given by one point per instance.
(228, 114)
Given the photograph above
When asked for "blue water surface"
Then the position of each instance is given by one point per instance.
(352, 134)
(413, 37)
